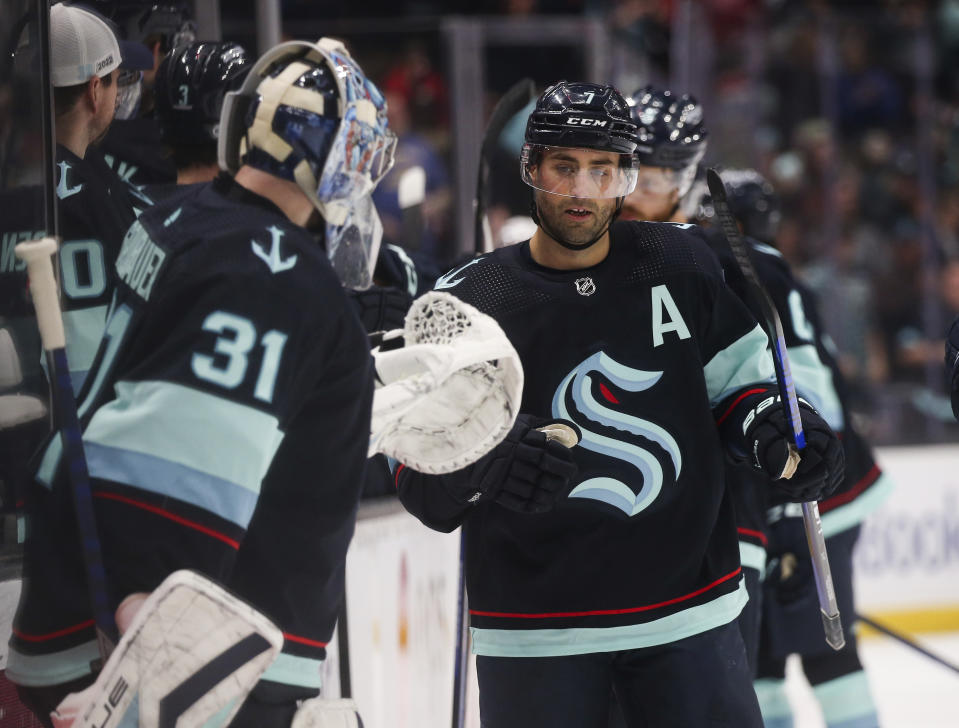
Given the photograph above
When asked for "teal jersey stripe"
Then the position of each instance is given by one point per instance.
(226, 440)
(855, 511)
(746, 361)
(752, 556)
(51, 669)
(773, 702)
(83, 329)
(163, 477)
(847, 701)
(814, 383)
(583, 640)
(292, 670)
(51, 458)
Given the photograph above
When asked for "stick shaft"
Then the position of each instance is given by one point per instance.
(825, 590)
(43, 288)
(899, 637)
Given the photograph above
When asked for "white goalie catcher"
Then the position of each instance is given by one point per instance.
(451, 393)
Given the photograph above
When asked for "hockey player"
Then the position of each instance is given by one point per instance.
(188, 91)
(612, 565)
(952, 364)
(791, 622)
(95, 207)
(672, 141)
(133, 147)
(227, 425)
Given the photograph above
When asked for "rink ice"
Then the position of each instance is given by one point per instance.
(910, 690)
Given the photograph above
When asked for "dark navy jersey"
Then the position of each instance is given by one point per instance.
(226, 422)
(639, 351)
(134, 150)
(818, 379)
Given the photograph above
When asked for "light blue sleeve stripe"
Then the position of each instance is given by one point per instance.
(847, 701)
(752, 556)
(814, 382)
(228, 441)
(51, 458)
(855, 512)
(578, 641)
(51, 669)
(292, 670)
(83, 329)
(746, 361)
(163, 477)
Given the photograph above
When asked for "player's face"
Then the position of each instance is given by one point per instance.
(578, 173)
(655, 196)
(106, 106)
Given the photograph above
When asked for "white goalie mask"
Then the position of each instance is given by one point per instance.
(307, 113)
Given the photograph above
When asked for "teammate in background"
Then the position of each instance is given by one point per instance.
(227, 427)
(133, 147)
(672, 141)
(95, 207)
(613, 565)
(791, 623)
(188, 92)
(952, 364)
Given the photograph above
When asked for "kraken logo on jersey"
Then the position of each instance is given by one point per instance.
(273, 259)
(594, 419)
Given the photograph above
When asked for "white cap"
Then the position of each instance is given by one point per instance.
(82, 46)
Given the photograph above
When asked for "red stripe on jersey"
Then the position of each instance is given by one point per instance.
(172, 516)
(303, 640)
(53, 635)
(739, 399)
(755, 534)
(843, 498)
(601, 612)
(396, 478)
(607, 394)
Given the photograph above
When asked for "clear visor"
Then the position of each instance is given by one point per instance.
(129, 93)
(576, 172)
(354, 246)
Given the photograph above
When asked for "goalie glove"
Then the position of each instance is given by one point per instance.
(450, 393)
(763, 436)
(528, 472)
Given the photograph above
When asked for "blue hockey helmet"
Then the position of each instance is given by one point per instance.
(308, 114)
(754, 202)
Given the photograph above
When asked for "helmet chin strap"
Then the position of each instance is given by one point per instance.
(534, 213)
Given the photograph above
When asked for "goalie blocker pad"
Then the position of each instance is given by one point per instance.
(451, 393)
(189, 658)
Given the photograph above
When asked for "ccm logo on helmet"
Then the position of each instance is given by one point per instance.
(583, 121)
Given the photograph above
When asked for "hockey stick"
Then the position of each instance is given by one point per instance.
(899, 637)
(43, 287)
(787, 391)
(515, 98)
(411, 191)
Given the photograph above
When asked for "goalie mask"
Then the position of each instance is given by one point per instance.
(306, 113)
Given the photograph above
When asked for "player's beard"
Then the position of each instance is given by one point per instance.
(559, 225)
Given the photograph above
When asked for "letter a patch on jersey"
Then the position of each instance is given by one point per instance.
(274, 260)
(666, 316)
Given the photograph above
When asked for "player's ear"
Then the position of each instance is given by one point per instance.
(94, 94)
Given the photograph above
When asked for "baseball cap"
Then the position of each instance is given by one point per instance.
(84, 45)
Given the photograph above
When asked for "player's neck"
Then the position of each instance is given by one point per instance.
(73, 135)
(548, 253)
(281, 192)
(197, 173)
(678, 216)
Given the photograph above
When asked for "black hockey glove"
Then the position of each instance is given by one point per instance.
(765, 433)
(526, 472)
(381, 308)
(952, 365)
